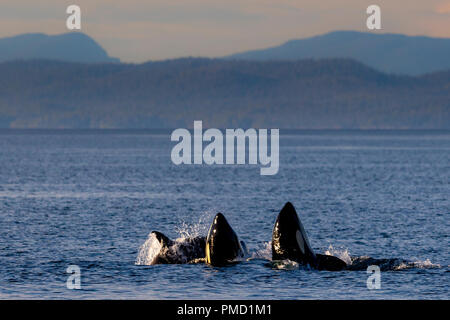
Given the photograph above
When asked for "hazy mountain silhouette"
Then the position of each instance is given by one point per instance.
(72, 47)
(328, 93)
(392, 53)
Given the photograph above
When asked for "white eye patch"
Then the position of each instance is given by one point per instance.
(300, 241)
(308, 246)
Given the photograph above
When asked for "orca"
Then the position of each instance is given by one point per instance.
(176, 252)
(289, 241)
(222, 243)
(220, 247)
(330, 263)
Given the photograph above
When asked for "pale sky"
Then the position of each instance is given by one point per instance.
(137, 30)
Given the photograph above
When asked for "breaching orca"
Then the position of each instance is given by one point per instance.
(222, 243)
(289, 241)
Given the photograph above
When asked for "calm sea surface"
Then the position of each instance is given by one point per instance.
(90, 198)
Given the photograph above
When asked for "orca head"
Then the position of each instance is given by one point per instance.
(163, 239)
(164, 244)
(222, 243)
(289, 239)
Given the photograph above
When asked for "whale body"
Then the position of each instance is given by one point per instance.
(289, 241)
(220, 247)
(222, 244)
(177, 252)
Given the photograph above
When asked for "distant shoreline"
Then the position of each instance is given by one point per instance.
(167, 131)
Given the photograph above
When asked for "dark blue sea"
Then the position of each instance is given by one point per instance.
(90, 198)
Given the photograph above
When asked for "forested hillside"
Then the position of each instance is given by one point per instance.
(328, 93)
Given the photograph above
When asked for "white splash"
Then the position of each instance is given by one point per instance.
(148, 251)
(427, 264)
(342, 254)
(263, 252)
(200, 228)
(285, 265)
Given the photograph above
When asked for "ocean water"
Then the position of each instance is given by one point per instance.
(91, 198)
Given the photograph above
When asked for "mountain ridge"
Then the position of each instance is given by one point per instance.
(387, 52)
(71, 47)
